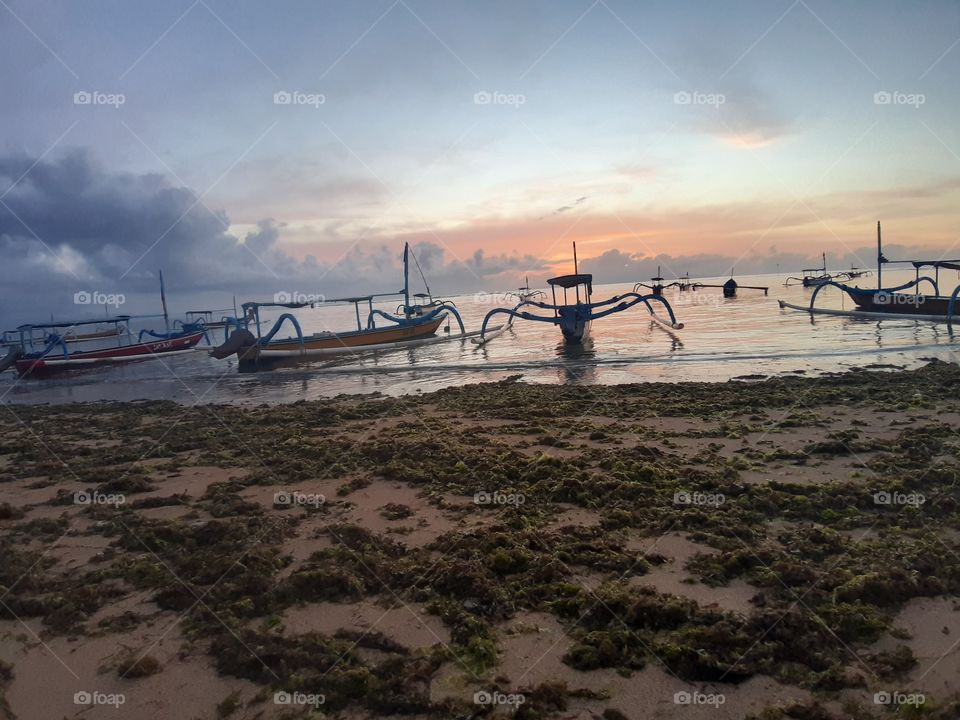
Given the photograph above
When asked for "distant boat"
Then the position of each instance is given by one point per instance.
(526, 292)
(812, 277)
(892, 302)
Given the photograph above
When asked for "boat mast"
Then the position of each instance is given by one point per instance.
(163, 301)
(406, 279)
(576, 271)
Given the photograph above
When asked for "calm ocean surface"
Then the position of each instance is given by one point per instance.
(747, 335)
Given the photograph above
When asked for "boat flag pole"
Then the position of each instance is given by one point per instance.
(163, 301)
(575, 270)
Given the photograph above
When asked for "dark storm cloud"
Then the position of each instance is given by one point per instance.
(67, 224)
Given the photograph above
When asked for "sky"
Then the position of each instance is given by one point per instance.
(248, 148)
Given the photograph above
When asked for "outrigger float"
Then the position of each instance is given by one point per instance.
(574, 315)
(892, 303)
(416, 322)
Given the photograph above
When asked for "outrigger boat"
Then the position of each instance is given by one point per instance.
(575, 315)
(416, 322)
(526, 292)
(56, 356)
(812, 277)
(683, 284)
(42, 349)
(892, 302)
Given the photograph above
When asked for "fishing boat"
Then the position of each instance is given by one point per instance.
(683, 284)
(893, 302)
(657, 287)
(854, 272)
(42, 349)
(415, 322)
(729, 288)
(55, 354)
(526, 292)
(575, 313)
(812, 277)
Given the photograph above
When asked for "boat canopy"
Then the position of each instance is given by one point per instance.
(949, 264)
(569, 281)
(74, 323)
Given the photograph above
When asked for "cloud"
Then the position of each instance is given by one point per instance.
(751, 116)
(68, 224)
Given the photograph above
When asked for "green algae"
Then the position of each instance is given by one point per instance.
(818, 589)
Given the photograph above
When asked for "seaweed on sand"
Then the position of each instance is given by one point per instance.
(227, 564)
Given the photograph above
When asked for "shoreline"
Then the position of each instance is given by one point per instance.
(767, 548)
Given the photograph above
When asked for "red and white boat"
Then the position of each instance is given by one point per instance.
(56, 356)
(47, 348)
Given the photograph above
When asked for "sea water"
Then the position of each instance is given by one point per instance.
(744, 337)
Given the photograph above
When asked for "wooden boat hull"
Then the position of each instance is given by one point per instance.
(56, 362)
(356, 338)
(330, 344)
(903, 303)
(576, 333)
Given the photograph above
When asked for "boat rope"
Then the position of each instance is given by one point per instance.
(422, 276)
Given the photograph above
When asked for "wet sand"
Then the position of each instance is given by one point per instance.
(782, 548)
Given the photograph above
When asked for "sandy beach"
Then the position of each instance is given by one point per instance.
(778, 548)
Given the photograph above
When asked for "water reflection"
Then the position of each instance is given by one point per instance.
(577, 362)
